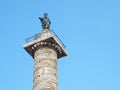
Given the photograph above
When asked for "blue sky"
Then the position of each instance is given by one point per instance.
(90, 29)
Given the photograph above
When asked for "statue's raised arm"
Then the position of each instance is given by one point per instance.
(45, 21)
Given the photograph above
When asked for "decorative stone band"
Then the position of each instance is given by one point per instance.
(42, 44)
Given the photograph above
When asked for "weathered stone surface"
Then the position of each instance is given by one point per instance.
(45, 69)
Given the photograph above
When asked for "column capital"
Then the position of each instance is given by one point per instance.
(48, 39)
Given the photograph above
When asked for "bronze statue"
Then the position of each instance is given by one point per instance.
(45, 21)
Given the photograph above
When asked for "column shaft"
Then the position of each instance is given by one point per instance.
(45, 69)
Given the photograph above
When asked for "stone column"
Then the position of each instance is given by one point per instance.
(45, 48)
(45, 69)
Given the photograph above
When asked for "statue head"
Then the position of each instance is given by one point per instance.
(45, 14)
